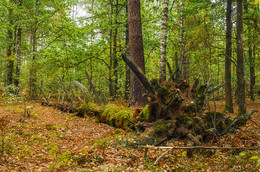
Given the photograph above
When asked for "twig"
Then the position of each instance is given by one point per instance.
(162, 155)
(201, 147)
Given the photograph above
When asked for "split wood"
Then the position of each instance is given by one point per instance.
(192, 147)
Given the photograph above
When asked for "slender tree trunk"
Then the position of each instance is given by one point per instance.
(177, 69)
(111, 90)
(10, 54)
(33, 71)
(240, 61)
(115, 54)
(136, 50)
(228, 90)
(162, 72)
(127, 74)
(184, 61)
(19, 53)
(252, 72)
(32, 79)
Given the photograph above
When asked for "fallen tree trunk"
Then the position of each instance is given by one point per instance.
(238, 122)
(177, 110)
(93, 88)
(138, 72)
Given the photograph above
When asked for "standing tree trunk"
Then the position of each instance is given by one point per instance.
(33, 79)
(162, 73)
(136, 51)
(252, 72)
(10, 54)
(240, 61)
(115, 66)
(111, 90)
(19, 53)
(177, 69)
(228, 90)
(184, 61)
(127, 70)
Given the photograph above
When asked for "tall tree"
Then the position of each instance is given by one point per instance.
(10, 53)
(33, 70)
(251, 55)
(228, 55)
(127, 70)
(136, 50)
(115, 64)
(240, 60)
(162, 72)
(18, 51)
(184, 61)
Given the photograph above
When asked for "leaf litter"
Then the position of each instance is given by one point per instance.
(51, 140)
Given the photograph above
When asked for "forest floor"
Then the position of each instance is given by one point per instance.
(51, 140)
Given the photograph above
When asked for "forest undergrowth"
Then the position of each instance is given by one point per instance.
(39, 138)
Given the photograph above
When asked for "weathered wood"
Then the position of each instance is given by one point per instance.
(65, 90)
(139, 74)
(201, 147)
(215, 88)
(83, 89)
(238, 122)
(93, 88)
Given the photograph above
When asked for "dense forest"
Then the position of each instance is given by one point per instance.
(157, 70)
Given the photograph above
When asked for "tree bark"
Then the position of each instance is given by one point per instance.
(33, 71)
(162, 72)
(19, 53)
(177, 69)
(93, 88)
(111, 90)
(136, 51)
(139, 74)
(184, 61)
(127, 70)
(240, 61)
(10, 54)
(32, 77)
(252, 72)
(228, 55)
(115, 66)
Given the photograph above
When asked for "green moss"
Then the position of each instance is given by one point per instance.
(228, 109)
(117, 116)
(160, 129)
(185, 119)
(145, 115)
(84, 107)
(163, 91)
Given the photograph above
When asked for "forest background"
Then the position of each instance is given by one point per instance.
(44, 40)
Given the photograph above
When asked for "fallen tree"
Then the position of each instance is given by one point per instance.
(177, 110)
(174, 110)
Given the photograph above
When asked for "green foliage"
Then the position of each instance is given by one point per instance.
(68, 42)
(145, 114)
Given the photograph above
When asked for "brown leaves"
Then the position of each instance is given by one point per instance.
(52, 140)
